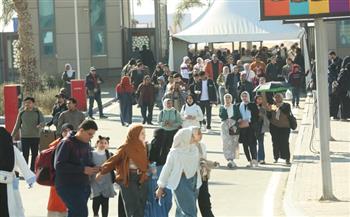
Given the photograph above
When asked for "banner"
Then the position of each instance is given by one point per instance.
(303, 9)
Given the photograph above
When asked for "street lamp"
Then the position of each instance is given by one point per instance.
(77, 37)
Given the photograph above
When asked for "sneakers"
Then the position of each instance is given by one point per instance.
(275, 161)
(254, 163)
(103, 117)
(288, 163)
(92, 118)
(262, 162)
(231, 164)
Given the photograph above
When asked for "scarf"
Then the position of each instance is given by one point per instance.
(7, 157)
(245, 112)
(124, 86)
(133, 149)
(165, 102)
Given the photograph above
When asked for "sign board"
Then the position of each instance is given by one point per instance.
(303, 9)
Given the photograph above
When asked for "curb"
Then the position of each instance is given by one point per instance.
(303, 138)
(48, 117)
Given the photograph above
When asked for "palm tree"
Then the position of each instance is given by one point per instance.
(27, 61)
(185, 5)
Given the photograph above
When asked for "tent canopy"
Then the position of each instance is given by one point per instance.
(236, 20)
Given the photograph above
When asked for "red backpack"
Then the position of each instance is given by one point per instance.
(44, 167)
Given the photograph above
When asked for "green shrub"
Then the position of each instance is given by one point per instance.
(45, 99)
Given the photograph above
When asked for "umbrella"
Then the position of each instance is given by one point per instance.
(272, 86)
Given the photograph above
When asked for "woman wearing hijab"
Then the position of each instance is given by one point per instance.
(10, 158)
(131, 164)
(181, 173)
(146, 92)
(344, 89)
(176, 95)
(124, 92)
(153, 207)
(247, 124)
(191, 113)
(221, 81)
(170, 121)
(229, 115)
(280, 128)
(67, 76)
(56, 206)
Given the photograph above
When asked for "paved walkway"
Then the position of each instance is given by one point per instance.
(304, 187)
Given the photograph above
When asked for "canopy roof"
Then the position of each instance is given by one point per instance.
(236, 20)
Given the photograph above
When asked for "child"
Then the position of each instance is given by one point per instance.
(103, 189)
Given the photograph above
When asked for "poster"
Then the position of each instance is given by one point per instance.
(303, 9)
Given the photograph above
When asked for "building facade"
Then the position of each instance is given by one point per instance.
(99, 30)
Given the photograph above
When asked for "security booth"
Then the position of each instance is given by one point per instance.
(12, 102)
(78, 92)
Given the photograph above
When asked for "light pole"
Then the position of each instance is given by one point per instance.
(323, 107)
(77, 37)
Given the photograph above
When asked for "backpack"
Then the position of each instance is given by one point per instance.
(44, 167)
(109, 155)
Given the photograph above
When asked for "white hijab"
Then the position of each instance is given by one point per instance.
(187, 154)
(70, 71)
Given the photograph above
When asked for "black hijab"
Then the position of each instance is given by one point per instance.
(193, 102)
(7, 157)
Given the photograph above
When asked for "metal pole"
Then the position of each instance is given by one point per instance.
(77, 37)
(323, 107)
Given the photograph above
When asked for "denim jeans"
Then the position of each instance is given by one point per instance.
(96, 96)
(296, 95)
(261, 149)
(75, 197)
(186, 197)
(125, 104)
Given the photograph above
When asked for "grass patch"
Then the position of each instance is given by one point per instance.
(45, 100)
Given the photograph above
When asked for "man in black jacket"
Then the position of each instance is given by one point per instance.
(74, 166)
(59, 107)
(92, 83)
(207, 96)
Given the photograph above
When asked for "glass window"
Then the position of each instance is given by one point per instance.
(98, 27)
(343, 33)
(47, 26)
(98, 42)
(46, 13)
(47, 43)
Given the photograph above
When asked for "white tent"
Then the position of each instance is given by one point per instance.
(236, 20)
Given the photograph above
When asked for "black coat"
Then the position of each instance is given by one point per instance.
(211, 91)
(89, 82)
(231, 84)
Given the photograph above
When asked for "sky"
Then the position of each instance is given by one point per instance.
(147, 7)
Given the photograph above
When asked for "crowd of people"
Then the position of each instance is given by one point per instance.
(174, 163)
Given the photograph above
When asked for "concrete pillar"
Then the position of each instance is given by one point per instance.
(161, 26)
(323, 107)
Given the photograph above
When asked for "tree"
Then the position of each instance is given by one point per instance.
(27, 61)
(185, 5)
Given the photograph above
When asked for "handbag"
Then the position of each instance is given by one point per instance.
(6, 177)
(233, 130)
(292, 121)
